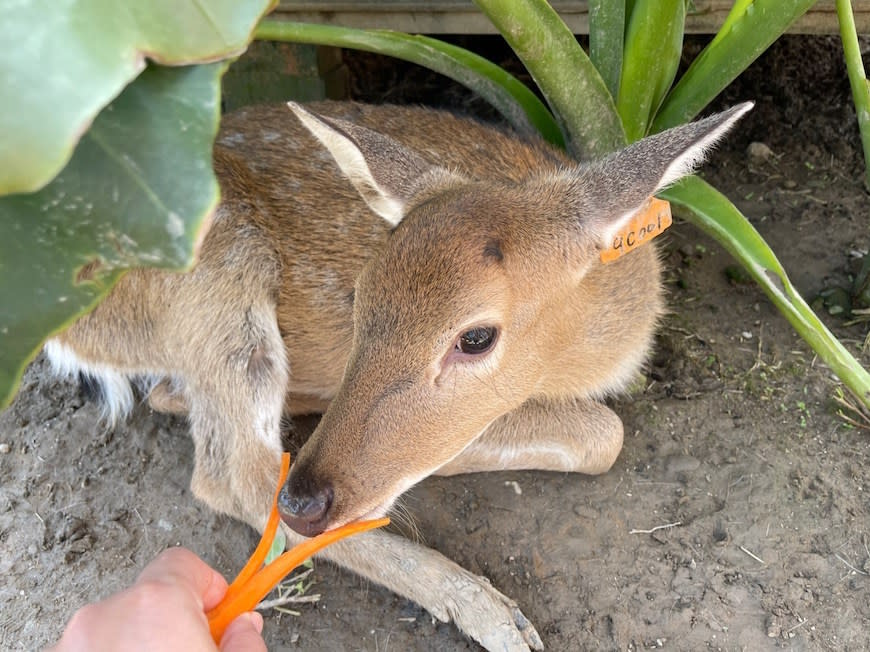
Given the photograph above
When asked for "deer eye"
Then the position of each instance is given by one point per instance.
(477, 340)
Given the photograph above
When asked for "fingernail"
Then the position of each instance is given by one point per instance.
(256, 620)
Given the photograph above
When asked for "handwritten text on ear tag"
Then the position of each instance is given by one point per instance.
(653, 218)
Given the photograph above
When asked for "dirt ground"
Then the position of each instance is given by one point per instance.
(736, 518)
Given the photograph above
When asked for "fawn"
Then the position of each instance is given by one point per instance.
(431, 284)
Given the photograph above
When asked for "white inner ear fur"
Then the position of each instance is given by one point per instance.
(681, 166)
(351, 161)
(690, 159)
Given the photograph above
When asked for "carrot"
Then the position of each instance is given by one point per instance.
(262, 549)
(252, 585)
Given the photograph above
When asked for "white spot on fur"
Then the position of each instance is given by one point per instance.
(116, 386)
(232, 139)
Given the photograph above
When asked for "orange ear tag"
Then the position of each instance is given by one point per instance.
(653, 218)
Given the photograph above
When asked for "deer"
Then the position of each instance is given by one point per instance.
(432, 285)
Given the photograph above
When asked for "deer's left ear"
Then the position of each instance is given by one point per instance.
(385, 173)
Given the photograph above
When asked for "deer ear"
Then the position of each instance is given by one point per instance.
(385, 173)
(622, 182)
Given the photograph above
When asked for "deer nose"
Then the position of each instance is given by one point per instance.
(305, 510)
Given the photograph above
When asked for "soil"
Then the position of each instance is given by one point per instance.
(736, 518)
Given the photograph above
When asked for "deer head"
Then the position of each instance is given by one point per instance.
(486, 294)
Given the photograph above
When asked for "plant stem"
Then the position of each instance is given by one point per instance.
(651, 56)
(857, 78)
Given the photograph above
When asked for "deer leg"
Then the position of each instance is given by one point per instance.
(168, 398)
(442, 587)
(579, 435)
(235, 394)
(249, 461)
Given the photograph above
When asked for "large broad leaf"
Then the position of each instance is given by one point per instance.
(64, 60)
(136, 192)
(715, 214)
(520, 106)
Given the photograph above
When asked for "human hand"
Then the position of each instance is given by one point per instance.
(164, 610)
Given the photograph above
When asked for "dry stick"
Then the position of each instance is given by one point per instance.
(291, 590)
(857, 570)
(800, 624)
(290, 599)
(754, 556)
(657, 527)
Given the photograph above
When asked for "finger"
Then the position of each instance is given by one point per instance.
(215, 591)
(243, 634)
(182, 567)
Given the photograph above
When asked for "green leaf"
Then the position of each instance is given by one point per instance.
(136, 192)
(857, 78)
(279, 544)
(748, 31)
(573, 88)
(520, 106)
(653, 46)
(62, 62)
(718, 217)
(606, 39)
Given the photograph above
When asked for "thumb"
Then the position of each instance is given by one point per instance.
(243, 634)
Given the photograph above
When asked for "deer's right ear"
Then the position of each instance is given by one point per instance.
(385, 173)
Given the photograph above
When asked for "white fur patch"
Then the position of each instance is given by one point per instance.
(692, 157)
(116, 386)
(353, 164)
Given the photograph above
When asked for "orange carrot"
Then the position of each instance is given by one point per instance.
(262, 549)
(261, 583)
(252, 585)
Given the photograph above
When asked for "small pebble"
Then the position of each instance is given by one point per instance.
(774, 629)
(759, 152)
(4, 448)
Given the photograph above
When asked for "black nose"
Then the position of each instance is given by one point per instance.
(305, 510)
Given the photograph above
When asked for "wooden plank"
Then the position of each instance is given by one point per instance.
(462, 17)
(270, 72)
(273, 72)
